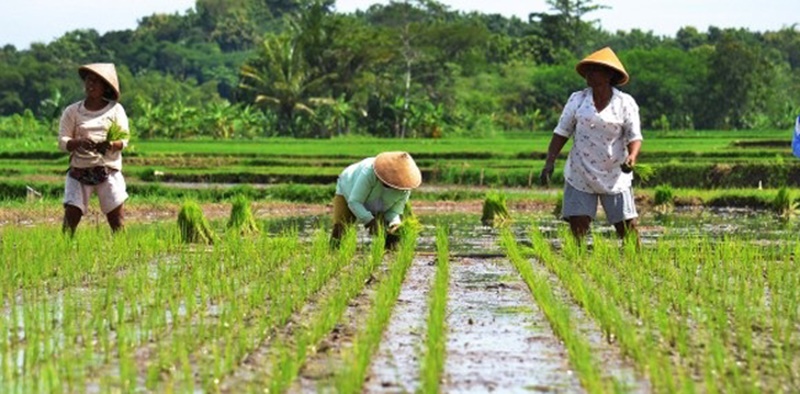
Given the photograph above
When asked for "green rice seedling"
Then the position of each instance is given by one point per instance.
(642, 171)
(435, 346)
(559, 317)
(241, 218)
(331, 307)
(558, 208)
(410, 220)
(784, 205)
(193, 224)
(115, 132)
(350, 379)
(495, 210)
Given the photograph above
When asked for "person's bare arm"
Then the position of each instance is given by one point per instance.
(553, 150)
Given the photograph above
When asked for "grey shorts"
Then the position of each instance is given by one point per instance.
(618, 207)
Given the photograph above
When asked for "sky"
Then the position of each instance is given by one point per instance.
(23, 22)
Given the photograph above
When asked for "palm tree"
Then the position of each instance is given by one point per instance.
(280, 78)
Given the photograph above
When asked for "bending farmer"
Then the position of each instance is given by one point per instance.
(374, 188)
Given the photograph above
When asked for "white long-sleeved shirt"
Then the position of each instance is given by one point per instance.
(79, 122)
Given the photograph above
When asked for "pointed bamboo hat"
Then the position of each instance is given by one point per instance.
(605, 57)
(398, 170)
(106, 71)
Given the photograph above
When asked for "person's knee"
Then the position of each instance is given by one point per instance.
(580, 221)
(579, 225)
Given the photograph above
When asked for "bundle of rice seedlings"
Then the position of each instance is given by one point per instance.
(663, 200)
(193, 224)
(784, 204)
(495, 211)
(410, 221)
(642, 171)
(242, 217)
(116, 133)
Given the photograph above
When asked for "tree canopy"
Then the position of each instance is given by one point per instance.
(405, 69)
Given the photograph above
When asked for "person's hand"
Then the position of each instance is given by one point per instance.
(81, 143)
(393, 228)
(547, 173)
(628, 164)
(104, 147)
(372, 226)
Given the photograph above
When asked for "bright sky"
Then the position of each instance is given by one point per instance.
(25, 21)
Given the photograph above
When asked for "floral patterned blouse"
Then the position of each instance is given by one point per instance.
(600, 141)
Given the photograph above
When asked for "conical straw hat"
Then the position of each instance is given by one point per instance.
(107, 71)
(605, 57)
(398, 170)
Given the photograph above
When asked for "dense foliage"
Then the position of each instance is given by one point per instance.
(248, 68)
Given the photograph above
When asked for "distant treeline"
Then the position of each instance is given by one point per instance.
(251, 68)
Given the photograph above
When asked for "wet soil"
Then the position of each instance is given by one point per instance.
(39, 213)
(498, 340)
(396, 366)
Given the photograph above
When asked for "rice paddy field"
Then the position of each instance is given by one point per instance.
(709, 303)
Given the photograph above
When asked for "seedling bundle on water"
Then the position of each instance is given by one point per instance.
(193, 224)
(242, 217)
(495, 211)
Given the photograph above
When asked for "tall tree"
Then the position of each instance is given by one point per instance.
(568, 27)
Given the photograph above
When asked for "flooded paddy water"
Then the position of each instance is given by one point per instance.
(499, 337)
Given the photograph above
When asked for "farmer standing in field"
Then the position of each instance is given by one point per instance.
(604, 123)
(373, 189)
(94, 131)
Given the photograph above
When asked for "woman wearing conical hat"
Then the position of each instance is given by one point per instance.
(95, 160)
(376, 187)
(604, 125)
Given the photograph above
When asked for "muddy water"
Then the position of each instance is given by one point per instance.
(498, 340)
(395, 367)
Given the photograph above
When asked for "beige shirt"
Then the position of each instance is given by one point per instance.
(79, 122)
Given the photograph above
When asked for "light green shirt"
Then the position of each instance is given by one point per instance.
(366, 196)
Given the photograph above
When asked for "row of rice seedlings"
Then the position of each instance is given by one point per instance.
(703, 300)
(69, 261)
(351, 377)
(177, 303)
(70, 322)
(435, 345)
(291, 353)
(599, 294)
(669, 308)
(240, 282)
(558, 314)
(619, 274)
(116, 329)
(736, 300)
(611, 296)
(287, 292)
(171, 304)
